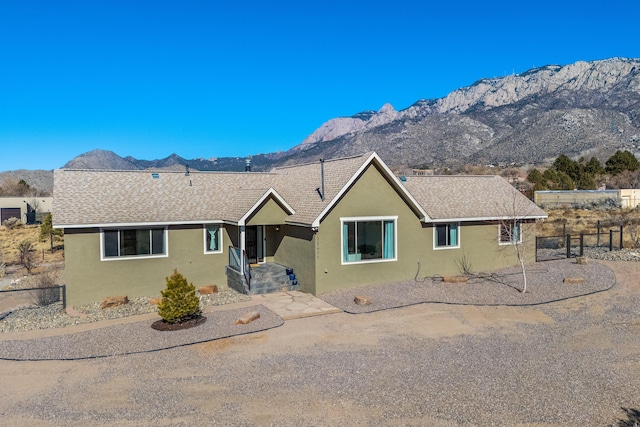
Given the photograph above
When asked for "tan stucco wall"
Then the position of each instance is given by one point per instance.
(479, 249)
(371, 195)
(43, 204)
(296, 249)
(89, 279)
(269, 213)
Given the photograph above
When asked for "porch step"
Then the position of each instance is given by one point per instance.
(268, 278)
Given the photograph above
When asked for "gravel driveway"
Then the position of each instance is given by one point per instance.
(572, 362)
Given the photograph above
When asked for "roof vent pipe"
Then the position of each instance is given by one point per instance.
(322, 178)
(247, 165)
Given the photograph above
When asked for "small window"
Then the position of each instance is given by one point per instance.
(447, 235)
(510, 233)
(134, 242)
(368, 240)
(213, 238)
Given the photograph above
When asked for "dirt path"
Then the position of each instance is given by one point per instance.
(569, 363)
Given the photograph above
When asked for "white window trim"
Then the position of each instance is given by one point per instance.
(435, 237)
(369, 218)
(165, 236)
(220, 239)
(511, 242)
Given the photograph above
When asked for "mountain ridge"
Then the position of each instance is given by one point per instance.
(584, 109)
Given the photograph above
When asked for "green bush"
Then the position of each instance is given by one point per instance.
(179, 300)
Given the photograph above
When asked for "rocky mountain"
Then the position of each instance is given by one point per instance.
(39, 179)
(583, 109)
(104, 159)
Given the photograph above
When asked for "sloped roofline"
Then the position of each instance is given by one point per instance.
(271, 192)
(488, 218)
(138, 224)
(373, 158)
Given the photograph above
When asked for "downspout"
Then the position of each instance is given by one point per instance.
(242, 248)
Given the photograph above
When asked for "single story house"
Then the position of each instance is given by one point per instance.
(337, 223)
(28, 209)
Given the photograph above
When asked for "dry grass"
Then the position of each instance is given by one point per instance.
(576, 221)
(10, 239)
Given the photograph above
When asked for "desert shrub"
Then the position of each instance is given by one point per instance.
(44, 292)
(26, 253)
(464, 264)
(12, 223)
(179, 300)
(600, 205)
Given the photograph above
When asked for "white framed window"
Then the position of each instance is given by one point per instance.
(369, 239)
(130, 243)
(510, 233)
(446, 236)
(213, 239)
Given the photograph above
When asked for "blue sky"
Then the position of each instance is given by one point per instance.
(213, 78)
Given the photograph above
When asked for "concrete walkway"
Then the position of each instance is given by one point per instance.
(294, 304)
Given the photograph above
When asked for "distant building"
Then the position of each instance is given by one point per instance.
(29, 210)
(627, 198)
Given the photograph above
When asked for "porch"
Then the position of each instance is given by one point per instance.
(258, 278)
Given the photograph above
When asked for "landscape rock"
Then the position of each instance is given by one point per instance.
(208, 290)
(573, 280)
(582, 260)
(247, 318)
(155, 300)
(362, 300)
(110, 302)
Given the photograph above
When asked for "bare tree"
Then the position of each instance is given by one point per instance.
(517, 228)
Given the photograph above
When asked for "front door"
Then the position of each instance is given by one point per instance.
(251, 244)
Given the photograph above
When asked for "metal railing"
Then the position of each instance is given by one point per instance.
(568, 245)
(244, 267)
(41, 296)
(234, 258)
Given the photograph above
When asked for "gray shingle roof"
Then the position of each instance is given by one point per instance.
(95, 198)
(470, 197)
(92, 197)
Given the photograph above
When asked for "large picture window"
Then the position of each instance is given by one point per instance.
(510, 233)
(213, 238)
(134, 242)
(368, 239)
(447, 236)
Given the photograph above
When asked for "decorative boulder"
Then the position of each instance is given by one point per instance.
(110, 302)
(247, 318)
(582, 260)
(362, 300)
(155, 301)
(573, 280)
(208, 290)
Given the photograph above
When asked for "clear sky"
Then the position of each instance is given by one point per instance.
(234, 78)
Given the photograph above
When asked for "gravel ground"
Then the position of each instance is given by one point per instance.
(544, 284)
(53, 316)
(572, 362)
(136, 337)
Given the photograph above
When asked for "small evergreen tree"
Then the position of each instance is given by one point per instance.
(47, 232)
(622, 161)
(594, 167)
(179, 300)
